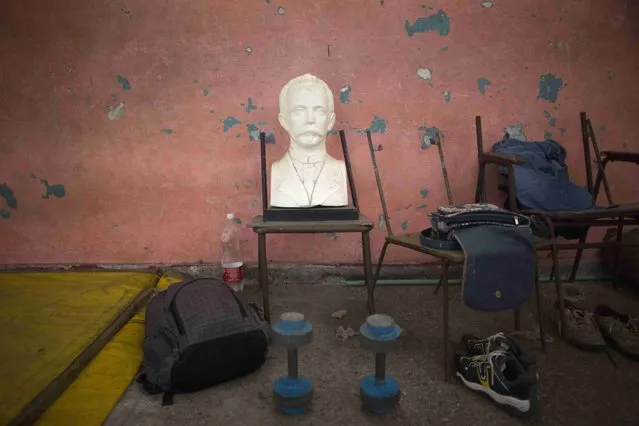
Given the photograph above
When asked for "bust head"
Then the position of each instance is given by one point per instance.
(307, 111)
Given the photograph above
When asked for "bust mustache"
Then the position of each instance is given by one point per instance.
(308, 137)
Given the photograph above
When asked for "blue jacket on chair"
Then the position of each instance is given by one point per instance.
(542, 182)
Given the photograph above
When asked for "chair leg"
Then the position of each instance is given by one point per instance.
(439, 284)
(540, 320)
(263, 275)
(577, 261)
(615, 277)
(445, 264)
(560, 294)
(379, 263)
(368, 272)
(555, 267)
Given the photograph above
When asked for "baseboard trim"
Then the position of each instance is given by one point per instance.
(309, 273)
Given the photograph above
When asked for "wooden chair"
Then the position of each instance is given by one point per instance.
(612, 215)
(446, 257)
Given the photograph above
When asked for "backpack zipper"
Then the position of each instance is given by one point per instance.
(242, 309)
(178, 319)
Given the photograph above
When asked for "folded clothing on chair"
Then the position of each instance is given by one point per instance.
(500, 258)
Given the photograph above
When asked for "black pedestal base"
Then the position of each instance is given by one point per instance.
(310, 214)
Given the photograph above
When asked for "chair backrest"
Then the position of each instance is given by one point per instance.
(480, 189)
(378, 179)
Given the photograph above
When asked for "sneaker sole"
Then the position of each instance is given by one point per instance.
(514, 406)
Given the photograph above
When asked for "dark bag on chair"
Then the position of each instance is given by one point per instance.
(499, 254)
(199, 333)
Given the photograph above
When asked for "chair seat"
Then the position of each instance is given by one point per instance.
(412, 241)
(628, 210)
(259, 225)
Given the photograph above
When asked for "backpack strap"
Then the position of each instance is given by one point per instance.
(151, 389)
(148, 387)
(167, 399)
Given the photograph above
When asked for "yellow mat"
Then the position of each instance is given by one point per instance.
(97, 390)
(48, 319)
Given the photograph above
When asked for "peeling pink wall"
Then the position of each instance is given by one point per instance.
(112, 115)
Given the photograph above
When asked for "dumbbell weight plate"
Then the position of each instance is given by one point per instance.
(379, 398)
(292, 331)
(292, 396)
(379, 333)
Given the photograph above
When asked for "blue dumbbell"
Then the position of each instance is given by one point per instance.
(292, 394)
(379, 392)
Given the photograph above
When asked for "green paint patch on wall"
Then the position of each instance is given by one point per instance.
(547, 135)
(549, 87)
(422, 206)
(205, 92)
(229, 122)
(57, 190)
(332, 235)
(270, 138)
(551, 120)
(168, 131)
(430, 135)
(344, 94)
(404, 225)
(124, 82)
(447, 96)
(482, 84)
(437, 22)
(250, 105)
(378, 125)
(254, 134)
(9, 196)
(5, 214)
(237, 220)
(516, 131)
(423, 193)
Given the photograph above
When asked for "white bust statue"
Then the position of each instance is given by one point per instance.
(306, 175)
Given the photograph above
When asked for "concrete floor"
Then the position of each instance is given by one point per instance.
(576, 387)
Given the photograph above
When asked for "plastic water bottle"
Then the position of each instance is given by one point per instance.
(232, 261)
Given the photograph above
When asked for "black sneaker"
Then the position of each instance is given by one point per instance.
(474, 345)
(500, 376)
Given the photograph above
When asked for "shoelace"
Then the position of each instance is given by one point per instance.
(582, 318)
(489, 357)
(491, 344)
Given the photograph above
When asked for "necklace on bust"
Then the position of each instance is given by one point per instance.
(301, 178)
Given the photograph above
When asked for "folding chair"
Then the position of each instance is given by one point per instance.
(446, 257)
(617, 215)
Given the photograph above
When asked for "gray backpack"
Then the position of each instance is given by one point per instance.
(198, 333)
